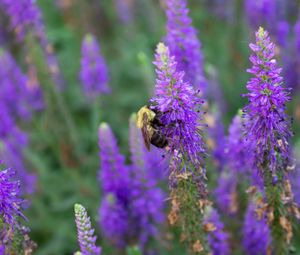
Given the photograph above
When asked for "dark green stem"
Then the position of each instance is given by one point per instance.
(273, 196)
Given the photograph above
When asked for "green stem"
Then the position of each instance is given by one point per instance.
(273, 196)
(58, 116)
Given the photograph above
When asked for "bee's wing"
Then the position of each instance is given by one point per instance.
(145, 131)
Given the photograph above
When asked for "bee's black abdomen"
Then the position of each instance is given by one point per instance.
(159, 140)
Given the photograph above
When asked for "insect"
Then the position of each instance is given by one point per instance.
(149, 123)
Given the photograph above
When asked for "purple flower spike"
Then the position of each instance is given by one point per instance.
(238, 156)
(226, 193)
(132, 204)
(15, 87)
(24, 14)
(183, 43)
(267, 127)
(93, 73)
(147, 197)
(85, 232)
(179, 103)
(152, 163)
(9, 198)
(260, 12)
(217, 239)
(256, 237)
(115, 180)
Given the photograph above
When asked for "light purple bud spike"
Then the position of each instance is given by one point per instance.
(86, 237)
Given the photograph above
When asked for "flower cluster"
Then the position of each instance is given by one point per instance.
(23, 14)
(93, 74)
(226, 192)
(267, 127)
(218, 238)
(260, 12)
(256, 233)
(15, 87)
(10, 201)
(179, 104)
(239, 158)
(132, 204)
(183, 43)
(86, 236)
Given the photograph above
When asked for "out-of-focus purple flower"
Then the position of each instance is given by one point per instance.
(217, 139)
(256, 233)
(221, 9)
(297, 35)
(226, 193)
(13, 142)
(93, 73)
(267, 127)
(292, 62)
(147, 198)
(183, 43)
(283, 28)
(153, 163)
(114, 175)
(239, 158)
(115, 182)
(15, 90)
(179, 104)
(114, 220)
(24, 14)
(2, 249)
(124, 10)
(18, 101)
(217, 239)
(261, 12)
(86, 237)
(26, 17)
(132, 204)
(10, 201)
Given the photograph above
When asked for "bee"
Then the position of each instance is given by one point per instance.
(150, 125)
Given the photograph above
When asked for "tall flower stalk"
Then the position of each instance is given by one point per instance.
(267, 128)
(86, 237)
(184, 44)
(179, 105)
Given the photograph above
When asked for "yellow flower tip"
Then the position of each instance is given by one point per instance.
(261, 32)
(103, 125)
(132, 117)
(77, 207)
(161, 48)
(88, 38)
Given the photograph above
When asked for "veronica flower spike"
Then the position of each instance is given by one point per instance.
(85, 232)
(178, 104)
(267, 129)
(93, 73)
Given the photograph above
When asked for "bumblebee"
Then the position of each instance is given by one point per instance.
(150, 125)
